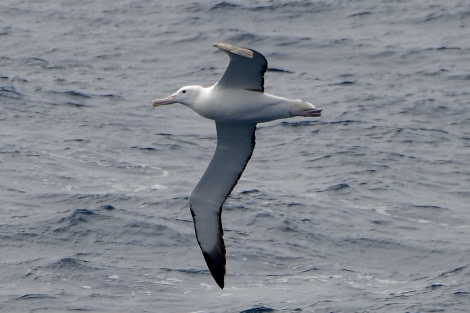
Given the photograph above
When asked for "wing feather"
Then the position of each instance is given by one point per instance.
(235, 144)
(245, 70)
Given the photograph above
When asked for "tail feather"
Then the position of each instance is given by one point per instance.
(312, 112)
(303, 108)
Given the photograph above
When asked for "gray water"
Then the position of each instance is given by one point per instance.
(363, 210)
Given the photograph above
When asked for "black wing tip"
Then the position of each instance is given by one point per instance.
(215, 257)
(216, 263)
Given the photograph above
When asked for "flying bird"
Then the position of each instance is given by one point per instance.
(237, 102)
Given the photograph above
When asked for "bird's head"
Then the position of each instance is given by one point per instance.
(186, 95)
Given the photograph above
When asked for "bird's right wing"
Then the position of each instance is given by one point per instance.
(245, 70)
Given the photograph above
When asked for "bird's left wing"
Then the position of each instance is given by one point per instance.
(235, 144)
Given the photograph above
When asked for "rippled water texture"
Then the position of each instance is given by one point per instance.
(363, 210)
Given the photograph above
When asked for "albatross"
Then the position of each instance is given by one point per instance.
(237, 102)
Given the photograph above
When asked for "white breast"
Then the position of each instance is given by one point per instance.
(238, 105)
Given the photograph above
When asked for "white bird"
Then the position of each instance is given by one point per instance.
(236, 103)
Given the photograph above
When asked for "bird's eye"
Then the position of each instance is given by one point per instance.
(183, 91)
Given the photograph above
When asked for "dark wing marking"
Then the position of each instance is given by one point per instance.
(235, 144)
(245, 70)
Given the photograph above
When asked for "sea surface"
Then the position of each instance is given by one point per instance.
(366, 209)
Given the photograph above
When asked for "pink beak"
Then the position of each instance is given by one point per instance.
(168, 100)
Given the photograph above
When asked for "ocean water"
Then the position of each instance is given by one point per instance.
(365, 209)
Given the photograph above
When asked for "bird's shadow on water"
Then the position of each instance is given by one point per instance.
(258, 309)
